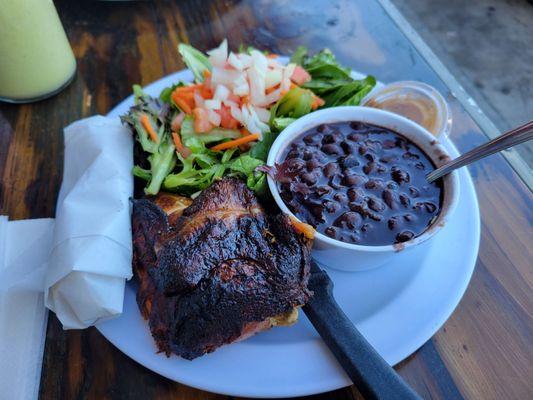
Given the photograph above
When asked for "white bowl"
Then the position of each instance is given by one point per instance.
(354, 257)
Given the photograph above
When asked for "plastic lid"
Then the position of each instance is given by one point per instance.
(417, 101)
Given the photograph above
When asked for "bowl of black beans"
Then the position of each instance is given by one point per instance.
(357, 175)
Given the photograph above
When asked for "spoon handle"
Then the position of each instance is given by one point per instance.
(373, 376)
(511, 138)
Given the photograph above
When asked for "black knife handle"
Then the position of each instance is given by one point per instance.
(372, 375)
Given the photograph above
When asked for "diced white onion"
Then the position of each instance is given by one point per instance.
(214, 117)
(245, 60)
(235, 62)
(273, 78)
(230, 103)
(257, 85)
(262, 113)
(221, 93)
(225, 77)
(241, 87)
(236, 113)
(259, 60)
(212, 104)
(198, 99)
(219, 55)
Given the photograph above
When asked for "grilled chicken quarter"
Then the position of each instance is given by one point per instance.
(217, 269)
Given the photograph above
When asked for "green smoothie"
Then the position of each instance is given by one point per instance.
(35, 56)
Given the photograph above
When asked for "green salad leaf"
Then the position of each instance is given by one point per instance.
(331, 81)
(195, 60)
(296, 103)
(161, 154)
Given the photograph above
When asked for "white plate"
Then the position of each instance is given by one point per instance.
(397, 307)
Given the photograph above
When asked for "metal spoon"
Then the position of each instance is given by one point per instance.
(511, 138)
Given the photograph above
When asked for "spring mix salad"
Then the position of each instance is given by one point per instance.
(224, 123)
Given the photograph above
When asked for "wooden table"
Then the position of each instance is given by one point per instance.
(484, 351)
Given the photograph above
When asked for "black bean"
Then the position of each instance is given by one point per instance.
(330, 169)
(389, 198)
(409, 217)
(359, 208)
(400, 176)
(331, 206)
(356, 194)
(392, 185)
(348, 219)
(323, 190)
(331, 231)
(365, 227)
(355, 137)
(308, 155)
(357, 125)
(419, 165)
(353, 180)
(340, 197)
(393, 223)
(388, 159)
(369, 168)
(332, 149)
(309, 179)
(410, 156)
(322, 128)
(375, 216)
(404, 199)
(389, 144)
(336, 181)
(348, 148)
(332, 137)
(430, 207)
(362, 150)
(374, 184)
(312, 139)
(404, 236)
(414, 191)
(312, 164)
(370, 156)
(349, 162)
(376, 204)
(354, 238)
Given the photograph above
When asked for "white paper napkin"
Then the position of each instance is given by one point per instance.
(22, 313)
(92, 251)
(80, 261)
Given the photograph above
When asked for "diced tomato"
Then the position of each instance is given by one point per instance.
(227, 121)
(300, 76)
(176, 122)
(201, 120)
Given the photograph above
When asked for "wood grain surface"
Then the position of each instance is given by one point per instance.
(484, 351)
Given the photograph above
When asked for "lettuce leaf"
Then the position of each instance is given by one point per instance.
(195, 60)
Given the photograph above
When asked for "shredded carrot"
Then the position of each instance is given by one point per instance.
(317, 102)
(190, 88)
(293, 85)
(184, 151)
(207, 73)
(307, 230)
(181, 103)
(270, 90)
(146, 125)
(272, 55)
(245, 132)
(235, 143)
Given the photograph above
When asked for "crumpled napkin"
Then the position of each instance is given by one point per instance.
(80, 261)
(92, 252)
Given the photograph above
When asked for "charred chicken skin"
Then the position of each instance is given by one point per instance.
(216, 270)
